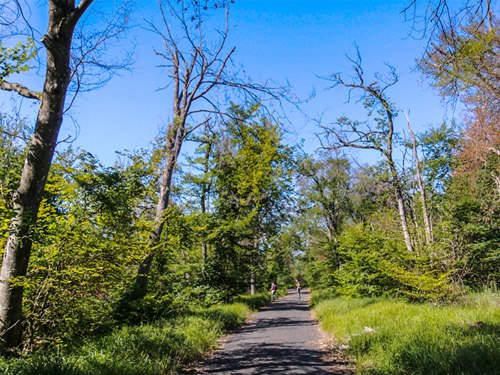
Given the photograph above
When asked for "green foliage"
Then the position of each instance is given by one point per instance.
(253, 301)
(324, 206)
(374, 262)
(15, 59)
(13, 132)
(472, 200)
(319, 295)
(162, 346)
(421, 281)
(439, 146)
(237, 191)
(88, 240)
(405, 338)
(463, 58)
(363, 251)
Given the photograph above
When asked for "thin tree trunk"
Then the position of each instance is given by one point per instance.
(252, 280)
(28, 196)
(428, 224)
(175, 137)
(204, 204)
(401, 207)
(253, 262)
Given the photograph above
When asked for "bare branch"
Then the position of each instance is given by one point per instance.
(361, 135)
(82, 8)
(21, 90)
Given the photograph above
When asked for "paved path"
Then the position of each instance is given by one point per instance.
(281, 339)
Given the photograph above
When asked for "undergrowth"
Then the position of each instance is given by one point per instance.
(391, 336)
(163, 346)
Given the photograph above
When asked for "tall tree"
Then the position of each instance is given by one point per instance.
(379, 136)
(199, 68)
(253, 184)
(429, 235)
(325, 189)
(64, 16)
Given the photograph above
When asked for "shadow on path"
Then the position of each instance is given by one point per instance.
(282, 339)
(267, 359)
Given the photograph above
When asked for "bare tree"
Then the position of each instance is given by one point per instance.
(64, 15)
(431, 17)
(198, 62)
(365, 135)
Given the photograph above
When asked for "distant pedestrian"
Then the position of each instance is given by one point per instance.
(273, 291)
(299, 287)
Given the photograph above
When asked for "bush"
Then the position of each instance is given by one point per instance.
(162, 346)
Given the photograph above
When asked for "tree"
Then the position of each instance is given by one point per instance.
(253, 186)
(429, 235)
(89, 236)
(325, 189)
(363, 135)
(199, 68)
(464, 60)
(202, 183)
(431, 16)
(63, 19)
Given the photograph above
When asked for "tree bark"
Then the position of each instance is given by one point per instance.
(252, 270)
(63, 17)
(204, 204)
(427, 222)
(175, 137)
(402, 210)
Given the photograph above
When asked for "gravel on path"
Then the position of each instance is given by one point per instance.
(281, 339)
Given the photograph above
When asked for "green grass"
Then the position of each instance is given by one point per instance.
(319, 295)
(461, 338)
(162, 347)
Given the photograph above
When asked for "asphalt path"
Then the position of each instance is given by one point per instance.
(280, 339)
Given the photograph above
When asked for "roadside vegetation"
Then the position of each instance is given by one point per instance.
(394, 336)
(139, 266)
(162, 346)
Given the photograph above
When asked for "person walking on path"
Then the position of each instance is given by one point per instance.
(273, 291)
(299, 287)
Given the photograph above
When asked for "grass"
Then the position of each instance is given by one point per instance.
(461, 338)
(162, 347)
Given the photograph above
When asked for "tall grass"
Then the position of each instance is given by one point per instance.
(164, 346)
(390, 336)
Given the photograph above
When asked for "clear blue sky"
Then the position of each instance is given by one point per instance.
(281, 40)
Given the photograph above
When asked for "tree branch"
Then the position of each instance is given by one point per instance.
(21, 90)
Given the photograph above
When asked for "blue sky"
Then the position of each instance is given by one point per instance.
(295, 41)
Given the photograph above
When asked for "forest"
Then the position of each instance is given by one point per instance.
(177, 242)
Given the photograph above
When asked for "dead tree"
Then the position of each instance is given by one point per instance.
(431, 17)
(64, 15)
(198, 62)
(378, 136)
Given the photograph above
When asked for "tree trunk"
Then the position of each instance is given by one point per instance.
(428, 224)
(252, 280)
(27, 198)
(205, 204)
(402, 219)
(175, 136)
(398, 191)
